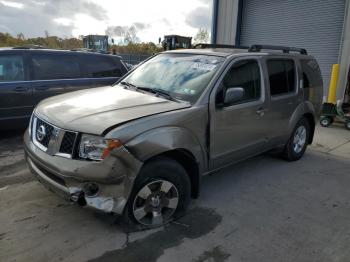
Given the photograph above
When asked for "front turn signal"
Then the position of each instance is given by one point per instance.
(111, 144)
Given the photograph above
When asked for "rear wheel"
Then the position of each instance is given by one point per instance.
(161, 193)
(326, 121)
(298, 141)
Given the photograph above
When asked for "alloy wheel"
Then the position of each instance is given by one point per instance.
(155, 203)
(299, 139)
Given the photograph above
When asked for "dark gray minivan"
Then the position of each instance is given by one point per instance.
(27, 76)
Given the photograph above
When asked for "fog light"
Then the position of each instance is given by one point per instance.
(90, 189)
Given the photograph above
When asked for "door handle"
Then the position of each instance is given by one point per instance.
(21, 89)
(260, 111)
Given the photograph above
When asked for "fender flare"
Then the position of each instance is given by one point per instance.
(301, 110)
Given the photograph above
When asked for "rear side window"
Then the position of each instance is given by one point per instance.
(11, 68)
(101, 66)
(311, 73)
(281, 76)
(53, 66)
(244, 74)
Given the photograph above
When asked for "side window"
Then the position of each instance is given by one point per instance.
(101, 66)
(53, 66)
(244, 74)
(11, 68)
(281, 76)
(311, 73)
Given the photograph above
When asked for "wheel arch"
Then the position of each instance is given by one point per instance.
(307, 111)
(311, 119)
(174, 142)
(188, 161)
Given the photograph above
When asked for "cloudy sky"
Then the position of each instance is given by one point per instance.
(65, 18)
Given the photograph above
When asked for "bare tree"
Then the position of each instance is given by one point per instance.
(20, 36)
(202, 36)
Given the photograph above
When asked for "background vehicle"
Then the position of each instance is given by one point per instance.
(141, 150)
(173, 42)
(96, 42)
(27, 76)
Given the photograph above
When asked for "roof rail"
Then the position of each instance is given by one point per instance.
(285, 49)
(29, 47)
(90, 51)
(219, 46)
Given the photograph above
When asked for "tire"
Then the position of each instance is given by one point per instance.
(326, 121)
(295, 148)
(347, 125)
(154, 194)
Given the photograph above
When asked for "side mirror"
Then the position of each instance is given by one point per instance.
(233, 95)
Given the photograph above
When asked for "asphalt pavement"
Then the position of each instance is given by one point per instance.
(263, 209)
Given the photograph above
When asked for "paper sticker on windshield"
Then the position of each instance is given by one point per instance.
(202, 66)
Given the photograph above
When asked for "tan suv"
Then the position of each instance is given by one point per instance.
(140, 147)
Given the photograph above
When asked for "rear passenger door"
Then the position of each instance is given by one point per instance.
(283, 94)
(53, 73)
(101, 70)
(16, 101)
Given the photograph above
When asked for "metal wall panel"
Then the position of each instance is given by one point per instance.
(314, 24)
(226, 22)
(344, 56)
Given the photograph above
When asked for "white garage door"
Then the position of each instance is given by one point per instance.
(313, 24)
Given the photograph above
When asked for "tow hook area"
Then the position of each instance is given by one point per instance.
(79, 198)
(88, 196)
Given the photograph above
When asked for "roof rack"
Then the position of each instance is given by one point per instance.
(285, 49)
(255, 48)
(219, 46)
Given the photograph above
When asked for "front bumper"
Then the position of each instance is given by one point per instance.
(69, 178)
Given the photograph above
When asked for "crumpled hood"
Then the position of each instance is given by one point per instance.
(94, 110)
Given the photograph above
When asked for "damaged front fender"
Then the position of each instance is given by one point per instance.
(113, 194)
(114, 177)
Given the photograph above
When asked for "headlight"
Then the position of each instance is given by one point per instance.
(96, 147)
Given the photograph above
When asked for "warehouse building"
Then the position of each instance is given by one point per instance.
(322, 27)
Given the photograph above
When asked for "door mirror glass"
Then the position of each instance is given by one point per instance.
(233, 95)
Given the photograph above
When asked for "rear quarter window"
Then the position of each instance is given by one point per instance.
(96, 66)
(311, 73)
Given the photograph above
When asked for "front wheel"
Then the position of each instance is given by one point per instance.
(298, 141)
(161, 193)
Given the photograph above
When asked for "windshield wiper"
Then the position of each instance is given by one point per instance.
(158, 91)
(124, 83)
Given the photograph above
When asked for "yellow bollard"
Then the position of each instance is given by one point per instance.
(332, 92)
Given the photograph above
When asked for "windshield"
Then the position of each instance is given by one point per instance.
(183, 76)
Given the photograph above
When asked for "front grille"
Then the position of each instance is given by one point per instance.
(53, 140)
(43, 137)
(68, 141)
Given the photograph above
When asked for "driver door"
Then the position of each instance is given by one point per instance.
(238, 130)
